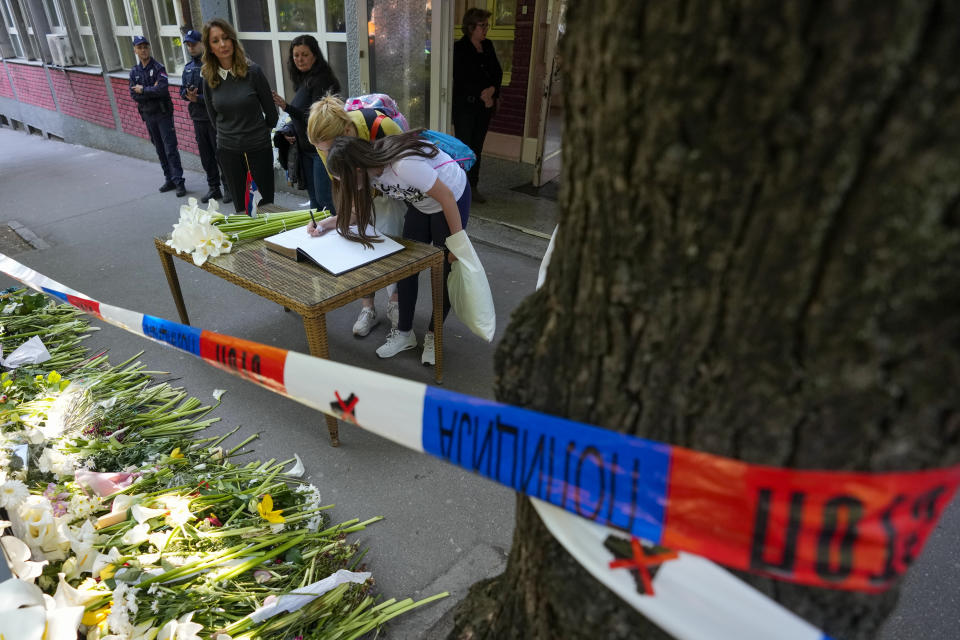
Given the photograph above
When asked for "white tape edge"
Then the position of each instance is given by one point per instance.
(388, 406)
(694, 599)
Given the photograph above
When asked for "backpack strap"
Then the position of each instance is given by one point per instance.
(449, 161)
(375, 127)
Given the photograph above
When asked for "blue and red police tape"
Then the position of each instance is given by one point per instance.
(855, 531)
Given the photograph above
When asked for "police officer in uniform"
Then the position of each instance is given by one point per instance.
(148, 87)
(192, 91)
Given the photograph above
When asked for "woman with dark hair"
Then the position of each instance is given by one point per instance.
(404, 167)
(476, 87)
(238, 100)
(312, 79)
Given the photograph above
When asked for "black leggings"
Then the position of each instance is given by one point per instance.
(234, 168)
(432, 229)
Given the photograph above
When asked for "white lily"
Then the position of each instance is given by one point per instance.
(136, 535)
(27, 614)
(18, 554)
(111, 559)
(68, 596)
(179, 508)
(123, 501)
(297, 470)
(141, 513)
(159, 538)
(181, 629)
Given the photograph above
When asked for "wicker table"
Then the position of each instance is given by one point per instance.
(311, 291)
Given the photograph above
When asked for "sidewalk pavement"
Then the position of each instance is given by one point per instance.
(90, 217)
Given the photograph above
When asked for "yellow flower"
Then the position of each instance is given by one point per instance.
(265, 509)
(107, 572)
(93, 618)
(176, 453)
(53, 377)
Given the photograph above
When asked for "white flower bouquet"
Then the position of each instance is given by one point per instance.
(208, 233)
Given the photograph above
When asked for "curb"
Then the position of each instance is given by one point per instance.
(28, 236)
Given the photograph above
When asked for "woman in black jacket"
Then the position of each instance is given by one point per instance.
(312, 79)
(476, 87)
(237, 97)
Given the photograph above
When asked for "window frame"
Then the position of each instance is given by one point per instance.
(85, 31)
(275, 37)
(128, 30)
(11, 26)
(61, 28)
(166, 31)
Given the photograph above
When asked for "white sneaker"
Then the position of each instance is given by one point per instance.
(393, 313)
(397, 342)
(428, 358)
(366, 321)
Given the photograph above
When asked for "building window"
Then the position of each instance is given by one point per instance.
(125, 16)
(54, 18)
(84, 26)
(11, 26)
(170, 52)
(266, 29)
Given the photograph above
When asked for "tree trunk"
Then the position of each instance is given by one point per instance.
(758, 257)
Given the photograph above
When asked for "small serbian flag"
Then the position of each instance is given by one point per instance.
(253, 196)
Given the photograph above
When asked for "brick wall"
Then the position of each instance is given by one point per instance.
(186, 139)
(83, 96)
(513, 99)
(32, 86)
(6, 89)
(130, 121)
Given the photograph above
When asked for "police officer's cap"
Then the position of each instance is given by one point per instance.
(191, 36)
(138, 40)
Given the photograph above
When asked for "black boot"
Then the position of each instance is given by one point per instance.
(167, 186)
(213, 193)
(226, 195)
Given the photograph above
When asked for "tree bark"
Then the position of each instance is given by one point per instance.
(757, 257)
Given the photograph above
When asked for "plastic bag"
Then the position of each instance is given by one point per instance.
(30, 352)
(469, 290)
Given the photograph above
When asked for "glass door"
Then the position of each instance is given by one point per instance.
(550, 134)
(398, 56)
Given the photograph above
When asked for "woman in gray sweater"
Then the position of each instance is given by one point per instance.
(240, 104)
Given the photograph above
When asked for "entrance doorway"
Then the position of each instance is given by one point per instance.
(550, 132)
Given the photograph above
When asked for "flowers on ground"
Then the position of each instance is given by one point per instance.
(168, 537)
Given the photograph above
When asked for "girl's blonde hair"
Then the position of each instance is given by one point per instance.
(327, 120)
(211, 65)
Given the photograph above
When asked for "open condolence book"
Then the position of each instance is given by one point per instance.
(331, 251)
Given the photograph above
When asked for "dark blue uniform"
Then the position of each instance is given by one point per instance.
(205, 130)
(156, 109)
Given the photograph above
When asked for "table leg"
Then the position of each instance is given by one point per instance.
(436, 278)
(171, 271)
(317, 340)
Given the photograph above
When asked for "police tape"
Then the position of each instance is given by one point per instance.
(689, 597)
(855, 531)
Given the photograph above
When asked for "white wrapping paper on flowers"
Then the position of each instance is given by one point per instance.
(469, 290)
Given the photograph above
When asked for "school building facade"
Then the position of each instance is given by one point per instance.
(64, 64)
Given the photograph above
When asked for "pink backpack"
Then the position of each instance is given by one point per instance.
(382, 103)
